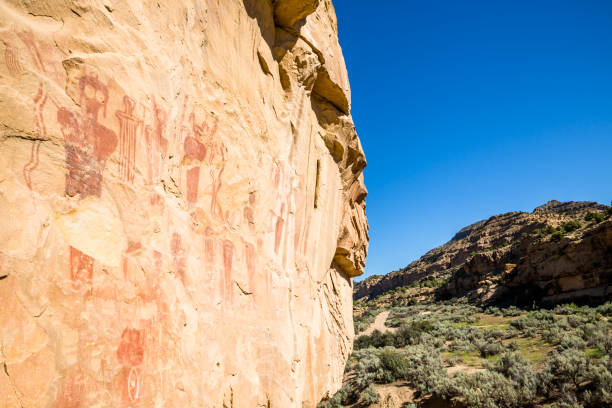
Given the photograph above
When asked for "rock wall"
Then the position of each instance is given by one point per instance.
(182, 204)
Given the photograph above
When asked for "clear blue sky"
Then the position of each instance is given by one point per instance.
(468, 109)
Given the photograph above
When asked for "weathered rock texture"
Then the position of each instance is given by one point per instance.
(504, 259)
(182, 205)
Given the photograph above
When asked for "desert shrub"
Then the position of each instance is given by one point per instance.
(522, 323)
(494, 334)
(514, 367)
(542, 232)
(511, 311)
(495, 311)
(376, 339)
(513, 346)
(595, 216)
(599, 393)
(564, 404)
(488, 349)
(487, 389)
(605, 309)
(570, 226)
(570, 341)
(597, 335)
(370, 395)
(556, 236)
(566, 309)
(345, 396)
(552, 334)
(563, 371)
(575, 320)
(394, 364)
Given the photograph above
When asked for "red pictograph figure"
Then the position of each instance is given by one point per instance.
(130, 354)
(278, 229)
(209, 246)
(215, 207)
(249, 250)
(250, 219)
(132, 248)
(32, 164)
(27, 37)
(178, 253)
(11, 59)
(306, 234)
(39, 104)
(72, 392)
(195, 152)
(12, 62)
(81, 269)
(157, 144)
(228, 256)
(88, 144)
(128, 127)
(157, 257)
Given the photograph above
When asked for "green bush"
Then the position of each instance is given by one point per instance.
(487, 389)
(489, 349)
(595, 216)
(542, 232)
(514, 367)
(556, 236)
(564, 371)
(599, 393)
(395, 364)
(370, 395)
(570, 226)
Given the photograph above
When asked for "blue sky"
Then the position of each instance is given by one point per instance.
(468, 109)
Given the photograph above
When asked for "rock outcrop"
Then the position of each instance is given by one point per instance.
(556, 253)
(182, 204)
(576, 267)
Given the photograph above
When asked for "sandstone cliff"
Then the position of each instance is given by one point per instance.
(557, 253)
(182, 203)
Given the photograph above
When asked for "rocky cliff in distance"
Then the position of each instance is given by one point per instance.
(559, 253)
(182, 204)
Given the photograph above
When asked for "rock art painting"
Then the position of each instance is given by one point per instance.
(157, 143)
(161, 248)
(128, 125)
(87, 142)
(130, 354)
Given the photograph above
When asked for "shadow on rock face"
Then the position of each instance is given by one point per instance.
(263, 12)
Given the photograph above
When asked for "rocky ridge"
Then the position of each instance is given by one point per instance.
(550, 255)
(182, 202)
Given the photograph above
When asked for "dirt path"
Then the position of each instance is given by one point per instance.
(379, 324)
(460, 368)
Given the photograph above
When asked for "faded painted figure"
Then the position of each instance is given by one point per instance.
(195, 152)
(88, 145)
(130, 354)
(128, 124)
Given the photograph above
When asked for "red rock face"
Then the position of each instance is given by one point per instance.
(183, 206)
